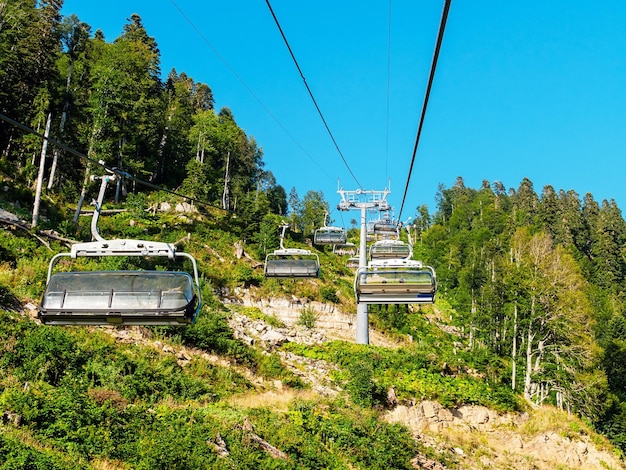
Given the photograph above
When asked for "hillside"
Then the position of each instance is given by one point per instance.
(262, 373)
(520, 363)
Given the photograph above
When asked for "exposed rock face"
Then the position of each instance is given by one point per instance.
(333, 323)
(502, 444)
(430, 415)
(315, 373)
(251, 331)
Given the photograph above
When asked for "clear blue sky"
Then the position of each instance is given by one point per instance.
(527, 88)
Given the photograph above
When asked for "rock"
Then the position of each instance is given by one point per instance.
(185, 207)
(220, 446)
(12, 418)
(430, 409)
(273, 337)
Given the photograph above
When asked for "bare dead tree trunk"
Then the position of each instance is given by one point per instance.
(66, 106)
(55, 157)
(42, 166)
(514, 350)
(529, 364)
(225, 195)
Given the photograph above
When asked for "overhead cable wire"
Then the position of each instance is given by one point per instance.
(245, 85)
(319, 111)
(111, 169)
(442, 27)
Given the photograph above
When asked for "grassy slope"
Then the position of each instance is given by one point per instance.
(86, 400)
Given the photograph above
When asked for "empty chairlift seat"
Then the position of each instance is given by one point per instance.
(330, 236)
(345, 249)
(389, 249)
(353, 262)
(395, 282)
(292, 263)
(385, 227)
(119, 297)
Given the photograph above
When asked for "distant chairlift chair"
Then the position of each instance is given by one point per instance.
(120, 297)
(386, 226)
(291, 262)
(347, 248)
(389, 249)
(327, 235)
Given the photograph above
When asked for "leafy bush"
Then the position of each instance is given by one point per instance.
(414, 373)
(14, 455)
(351, 437)
(243, 274)
(329, 294)
(308, 318)
(363, 390)
(212, 333)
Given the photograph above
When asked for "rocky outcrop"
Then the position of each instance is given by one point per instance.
(252, 331)
(498, 440)
(314, 372)
(431, 416)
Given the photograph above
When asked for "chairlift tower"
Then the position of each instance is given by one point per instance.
(363, 200)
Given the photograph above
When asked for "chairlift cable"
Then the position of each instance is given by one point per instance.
(442, 27)
(319, 111)
(254, 95)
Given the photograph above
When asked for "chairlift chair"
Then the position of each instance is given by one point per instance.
(395, 282)
(327, 235)
(120, 297)
(385, 227)
(389, 249)
(330, 236)
(291, 262)
(345, 249)
(354, 261)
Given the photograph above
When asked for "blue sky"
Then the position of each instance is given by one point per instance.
(523, 88)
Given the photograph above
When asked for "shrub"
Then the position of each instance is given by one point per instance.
(212, 333)
(308, 318)
(15, 454)
(329, 294)
(361, 386)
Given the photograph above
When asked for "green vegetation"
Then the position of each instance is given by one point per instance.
(367, 372)
(530, 303)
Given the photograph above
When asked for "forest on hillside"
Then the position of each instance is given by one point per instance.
(539, 280)
(534, 280)
(107, 101)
